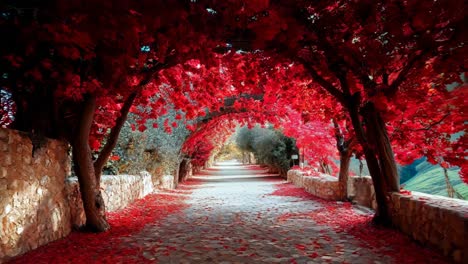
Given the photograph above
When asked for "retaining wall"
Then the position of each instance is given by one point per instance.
(361, 191)
(33, 205)
(38, 203)
(323, 186)
(118, 191)
(432, 220)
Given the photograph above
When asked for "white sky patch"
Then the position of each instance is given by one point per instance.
(211, 11)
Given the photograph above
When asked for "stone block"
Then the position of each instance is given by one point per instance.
(443, 215)
(27, 159)
(6, 160)
(435, 237)
(3, 146)
(417, 208)
(455, 220)
(458, 239)
(19, 179)
(404, 205)
(15, 137)
(3, 133)
(167, 182)
(3, 172)
(13, 185)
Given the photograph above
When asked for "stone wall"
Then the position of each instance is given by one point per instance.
(323, 186)
(167, 182)
(38, 203)
(33, 205)
(361, 191)
(296, 177)
(434, 220)
(118, 191)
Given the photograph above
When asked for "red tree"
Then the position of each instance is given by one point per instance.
(75, 69)
(365, 54)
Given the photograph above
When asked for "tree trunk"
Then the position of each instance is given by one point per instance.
(176, 174)
(183, 170)
(378, 137)
(369, 146)
(93, 202)
(113, 137)
(345, 148)
(450, 190)
(452, 193)
(345, 158)
(322, 167)
(328, 169)
(361, 167)
(325, 168)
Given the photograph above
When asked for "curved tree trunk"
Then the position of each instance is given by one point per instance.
(373, 139)
(113, 137)
(184, 170)
(93, 202)
(378, 137)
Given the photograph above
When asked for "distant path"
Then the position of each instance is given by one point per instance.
(228, 214)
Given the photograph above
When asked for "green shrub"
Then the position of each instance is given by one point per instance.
(270, 147)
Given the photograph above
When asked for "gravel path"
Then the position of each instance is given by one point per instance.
(232, 218)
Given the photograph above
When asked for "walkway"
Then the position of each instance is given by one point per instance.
(239, 214)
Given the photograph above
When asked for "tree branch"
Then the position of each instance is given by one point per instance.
(430, 126)
(325, 84)
(425, 49)
(360, 70)
(114, 135)
(393, 88)
(115, 131)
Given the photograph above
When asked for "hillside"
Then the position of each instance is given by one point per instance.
(430, 179)
(421, 176)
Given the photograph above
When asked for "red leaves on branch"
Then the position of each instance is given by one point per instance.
(172, 53)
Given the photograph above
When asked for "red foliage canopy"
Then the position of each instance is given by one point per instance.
(270, 56)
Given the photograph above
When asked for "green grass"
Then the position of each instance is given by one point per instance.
(430, 179)
(421, 176)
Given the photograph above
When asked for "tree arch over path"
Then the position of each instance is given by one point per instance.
(75, 69)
